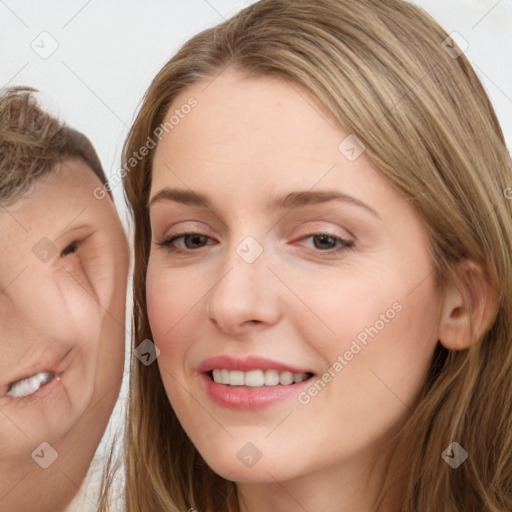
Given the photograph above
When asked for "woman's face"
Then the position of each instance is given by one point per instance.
(290, 288)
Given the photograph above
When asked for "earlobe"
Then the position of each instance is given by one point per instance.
(469, 308)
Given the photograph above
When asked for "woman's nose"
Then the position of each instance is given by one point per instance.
(247, 295)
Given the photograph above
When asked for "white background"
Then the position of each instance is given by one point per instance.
(107, 52)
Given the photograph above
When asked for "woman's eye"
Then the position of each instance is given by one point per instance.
(324, 242)
(185, 241)
(70, 249)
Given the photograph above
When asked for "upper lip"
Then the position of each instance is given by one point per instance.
(53, 364)
(246, 364)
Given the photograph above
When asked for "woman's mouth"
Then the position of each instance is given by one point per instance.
(30, 385)
(252, 382)
(257, 378)
(254, 389)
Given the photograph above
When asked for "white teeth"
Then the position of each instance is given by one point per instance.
(271, 378)
(236, 378)
(254, 379)
(221, 376)
(257, 378)
(285, 378)
(30, 385)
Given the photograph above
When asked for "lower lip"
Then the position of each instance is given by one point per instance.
(249, 399)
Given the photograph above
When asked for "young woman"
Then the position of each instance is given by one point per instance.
(323, 260)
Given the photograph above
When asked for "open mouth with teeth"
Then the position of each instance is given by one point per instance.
(30, 385)
(257, 378)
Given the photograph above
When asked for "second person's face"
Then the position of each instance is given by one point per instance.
(64, 266)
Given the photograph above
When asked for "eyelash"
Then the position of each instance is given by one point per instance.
(167, 243)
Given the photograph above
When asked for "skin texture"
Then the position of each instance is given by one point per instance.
(68, 309)
(298, 304)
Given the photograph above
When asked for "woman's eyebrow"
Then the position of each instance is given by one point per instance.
(285, 201)
(180, 196)
(306, 198)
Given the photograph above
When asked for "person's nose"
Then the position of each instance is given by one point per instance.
(247, 296)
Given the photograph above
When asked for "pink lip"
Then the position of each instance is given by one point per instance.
(245, 398)
(246, 365)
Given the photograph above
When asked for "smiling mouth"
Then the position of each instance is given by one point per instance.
(30, 385)
(257, 378)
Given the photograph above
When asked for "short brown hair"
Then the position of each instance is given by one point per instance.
(33, 143)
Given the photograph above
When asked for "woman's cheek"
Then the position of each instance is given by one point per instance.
(169, 301)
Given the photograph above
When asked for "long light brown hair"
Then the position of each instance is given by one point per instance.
(381, 68)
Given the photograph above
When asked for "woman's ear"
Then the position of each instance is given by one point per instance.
(465, 317)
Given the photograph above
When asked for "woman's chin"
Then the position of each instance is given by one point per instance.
(250, 466)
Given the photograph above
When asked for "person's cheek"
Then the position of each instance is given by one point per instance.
(159, 297)
(83, 314)
(163, 310)
(338, 305)
(166, 306)
(172, 295)
(11, 437)
(373, 336)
